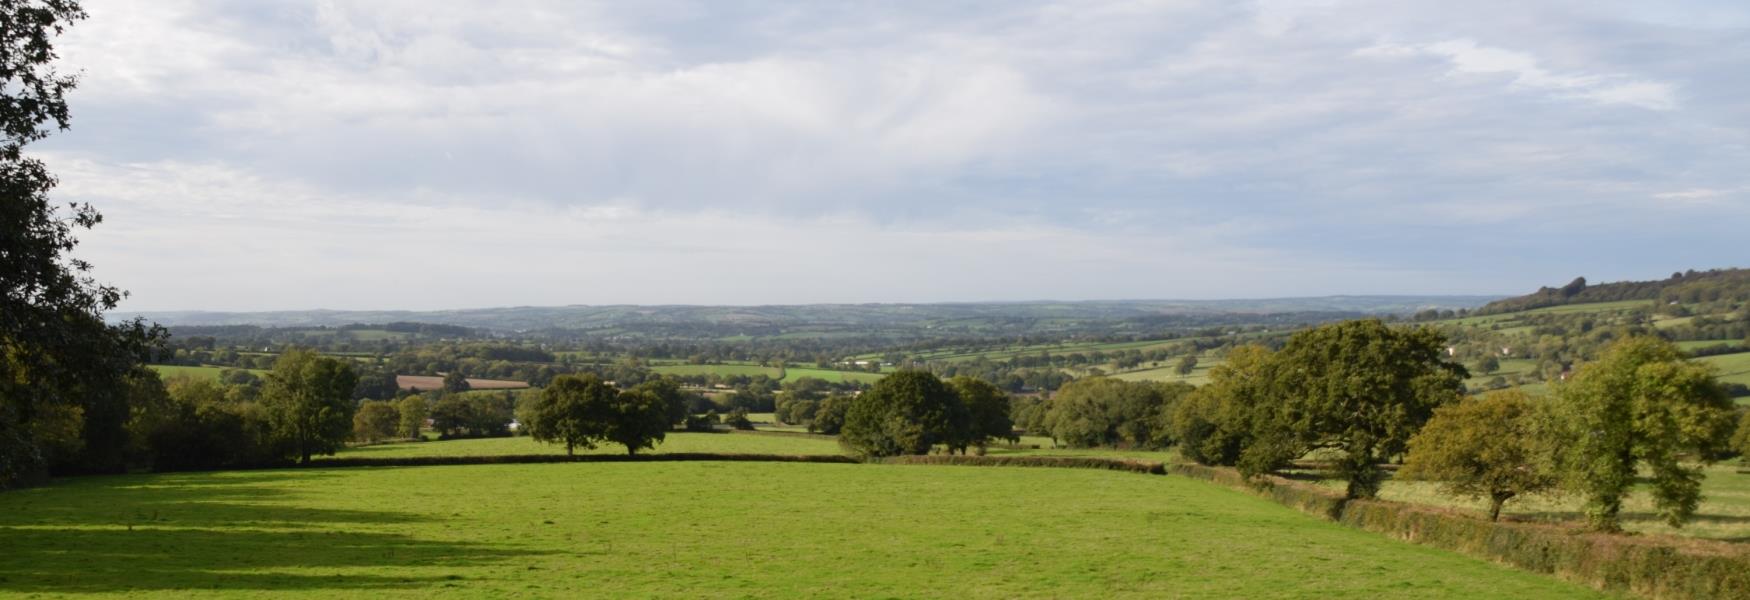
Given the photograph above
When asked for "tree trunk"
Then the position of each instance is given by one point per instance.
(570, 449)
(1496, 500)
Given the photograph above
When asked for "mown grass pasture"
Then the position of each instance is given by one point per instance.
(201, 372)
(1724, 513)
(753, 370)
(1731, 368)
(705, 530)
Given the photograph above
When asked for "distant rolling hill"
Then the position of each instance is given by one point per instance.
(525, 318)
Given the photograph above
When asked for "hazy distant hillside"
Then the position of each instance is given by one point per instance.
(947, 314)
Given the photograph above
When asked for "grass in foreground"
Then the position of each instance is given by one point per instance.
(705, 529)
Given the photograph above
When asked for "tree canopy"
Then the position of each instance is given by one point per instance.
(309, 397)
(1361, 387)
(58, 357)
(906, 412)
(1488, 447)
(1640, 405)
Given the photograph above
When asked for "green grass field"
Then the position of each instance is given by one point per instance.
(750, 370)
(202, 372)
(1724, 513)
(1731, 368)
(704, 530)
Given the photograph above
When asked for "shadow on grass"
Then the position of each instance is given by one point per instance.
(213, 533)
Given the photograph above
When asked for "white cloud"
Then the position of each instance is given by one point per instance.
(235, 240)
(1078, 149)
(1468, 58)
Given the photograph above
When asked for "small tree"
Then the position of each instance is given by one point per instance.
(1488, 364)
(455, 381)
(375, 420)
(1485, 447)
(1741, 438)
(829, 416)
(737, 419)
(309, 400)
(413, 414)
(987, 410)
(907, 412)
(572, 410)
(1186, 365)
(638, 419)
(1641, 403)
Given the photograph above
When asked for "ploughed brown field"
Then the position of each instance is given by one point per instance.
(428, 382)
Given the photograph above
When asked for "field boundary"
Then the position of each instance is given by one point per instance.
(1060, 462)
(1655, 567)
(510, 459)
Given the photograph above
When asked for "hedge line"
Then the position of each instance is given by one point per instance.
(422, 461)
(1649, 566)
(1069, 462)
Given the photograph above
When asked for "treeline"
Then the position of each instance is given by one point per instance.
(1362, 394)
(1689, 287)
(1101, 411)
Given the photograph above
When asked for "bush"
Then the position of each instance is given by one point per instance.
(737, 419)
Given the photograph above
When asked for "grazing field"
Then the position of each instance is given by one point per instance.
(201, 372)
(428, 382)
(743, 443)
(1169, 373)
(1724, 513)
(705, 530)
(1732, 368)
(752, 370)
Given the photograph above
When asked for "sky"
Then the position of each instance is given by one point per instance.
(393, 154)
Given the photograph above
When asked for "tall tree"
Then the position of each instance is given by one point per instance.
(906, 412)
(1360, 387)
(637, 419)
(1641, 404)
(670, 393)
(987, 412)
(309, 397)
(1215, 424)
(413, 411)
(572, 410)
(56, 352)
(375, 420)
